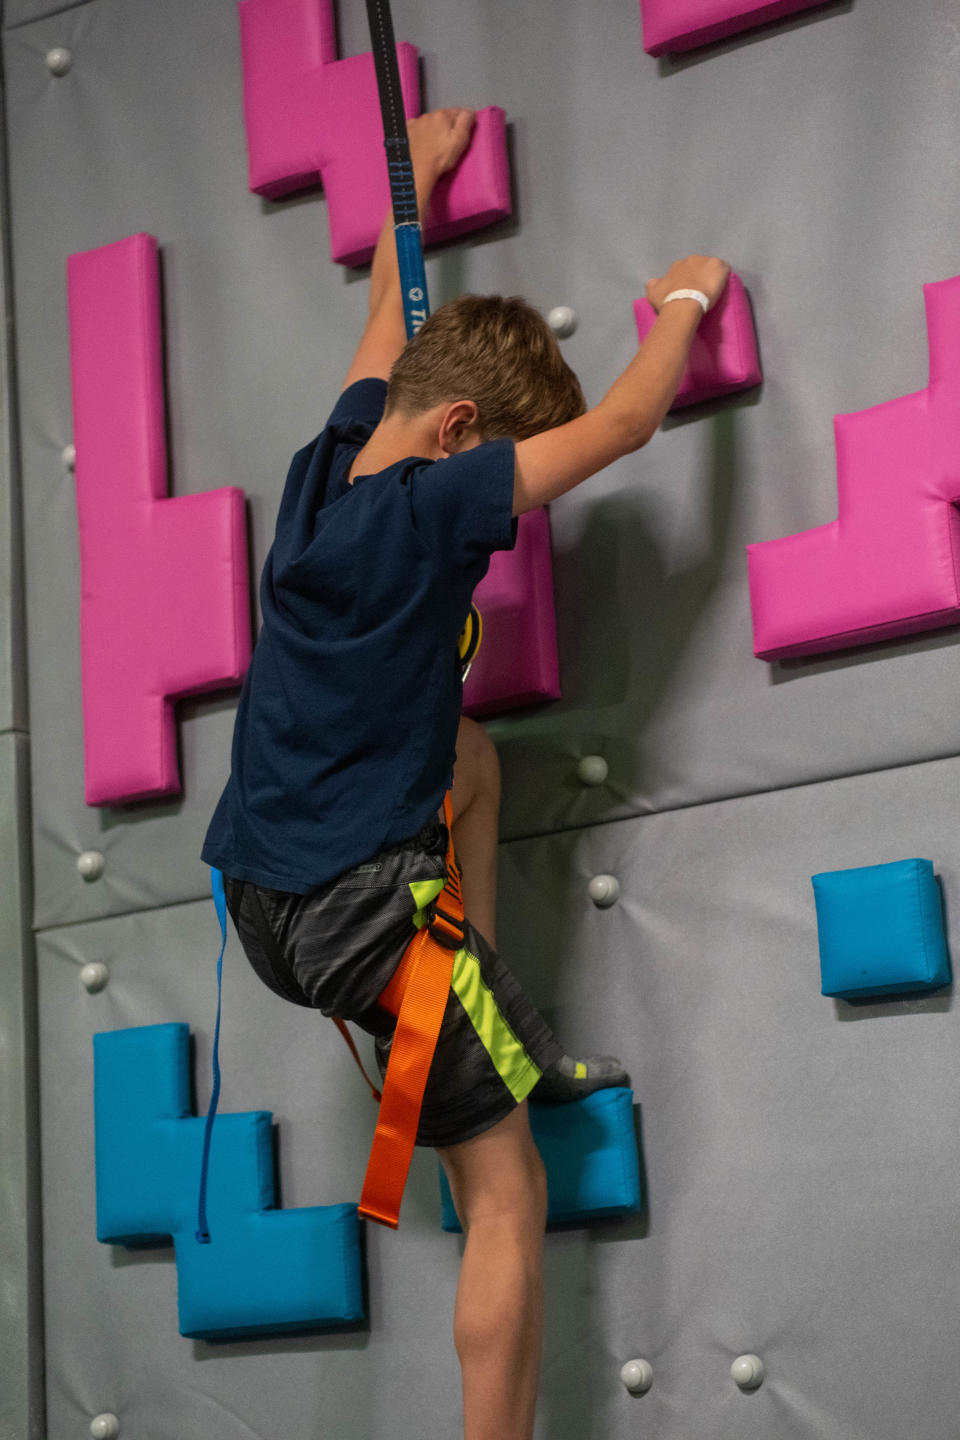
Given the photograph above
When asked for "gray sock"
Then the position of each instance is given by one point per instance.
(571, 1079)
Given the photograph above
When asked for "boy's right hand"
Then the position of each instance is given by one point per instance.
(438, 139)
(696, 272)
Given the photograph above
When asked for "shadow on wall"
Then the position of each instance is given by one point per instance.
(672, 64)
(628, 663)
(781, 672)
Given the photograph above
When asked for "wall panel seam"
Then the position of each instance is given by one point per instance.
(198, 899)
(739, 795)
(47, 15)
(40, 931)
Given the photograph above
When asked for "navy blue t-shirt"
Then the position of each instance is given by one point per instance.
(345, 735)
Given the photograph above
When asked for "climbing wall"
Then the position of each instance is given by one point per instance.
(801, 1154)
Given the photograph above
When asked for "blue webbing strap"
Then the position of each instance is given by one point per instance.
(413, 277)
(220, 901)
(403, 190)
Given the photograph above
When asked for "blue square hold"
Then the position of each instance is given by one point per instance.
(881, 930)
(590, 1151)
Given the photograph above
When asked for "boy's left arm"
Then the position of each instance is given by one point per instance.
(437, 141)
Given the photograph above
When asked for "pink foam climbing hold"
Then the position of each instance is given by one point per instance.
(312, 119)
(674, 25)
(164, 606)
(890, 563)
(723, 357)
(517, 661)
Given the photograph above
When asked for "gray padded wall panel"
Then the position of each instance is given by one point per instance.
(217, 247)
(21, 1310)
(21, 1305)
(274, 1056)
(13, 676)
(13, 689)
(778, 150)
(802, 1154)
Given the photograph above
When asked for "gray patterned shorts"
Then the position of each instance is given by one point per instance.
(336, 949)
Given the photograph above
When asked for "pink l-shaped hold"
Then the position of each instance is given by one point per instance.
(517, 662)
(890, 563)
(675, 25)
(164, 607)
(312, 119)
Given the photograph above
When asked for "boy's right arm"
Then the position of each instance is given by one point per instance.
(629, 415)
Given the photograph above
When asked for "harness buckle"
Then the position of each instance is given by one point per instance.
(447, 929)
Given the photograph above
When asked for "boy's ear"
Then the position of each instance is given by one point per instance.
(457, 424)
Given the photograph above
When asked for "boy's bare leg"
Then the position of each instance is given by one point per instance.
(499, 1188)
(476, 816)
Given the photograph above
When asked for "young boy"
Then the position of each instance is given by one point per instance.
(329, 832)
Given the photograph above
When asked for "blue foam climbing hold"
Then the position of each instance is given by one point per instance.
(591, 1156)
(881, 930)
(265, 1271)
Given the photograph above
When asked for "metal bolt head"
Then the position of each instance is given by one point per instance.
(105, 1427)
(604, 891)
(747, 1371)
(91, 864)
(593, 770)
(637, 1375)
(93, 977)
(59, 60)
(562, 321)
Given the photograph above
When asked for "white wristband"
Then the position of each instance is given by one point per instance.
(697, 295)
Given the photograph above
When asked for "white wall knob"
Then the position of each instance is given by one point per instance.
(637, 1375)
(69, 456)
(59, 60)
(105, 1427)
(604, 891)
(562, 321)
(748, 1371)
(91, 864)
(593, 770)
(93, 977)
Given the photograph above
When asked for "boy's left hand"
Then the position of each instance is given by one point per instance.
(438, 139)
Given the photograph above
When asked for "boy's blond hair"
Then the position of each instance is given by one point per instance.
(498, 352)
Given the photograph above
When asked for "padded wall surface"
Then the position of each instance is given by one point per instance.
(801, 1154)
(21, 1341)
(132, 1361)
(13, 688)
(21, 1323)
(13, 708)
(802, 1157)
(779, 150)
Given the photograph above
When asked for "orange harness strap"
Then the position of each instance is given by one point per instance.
(417, 995)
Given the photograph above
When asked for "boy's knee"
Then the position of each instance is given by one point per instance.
(499, 1177)
(515, 1196)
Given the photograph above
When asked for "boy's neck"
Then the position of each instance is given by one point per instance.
(396, 438)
